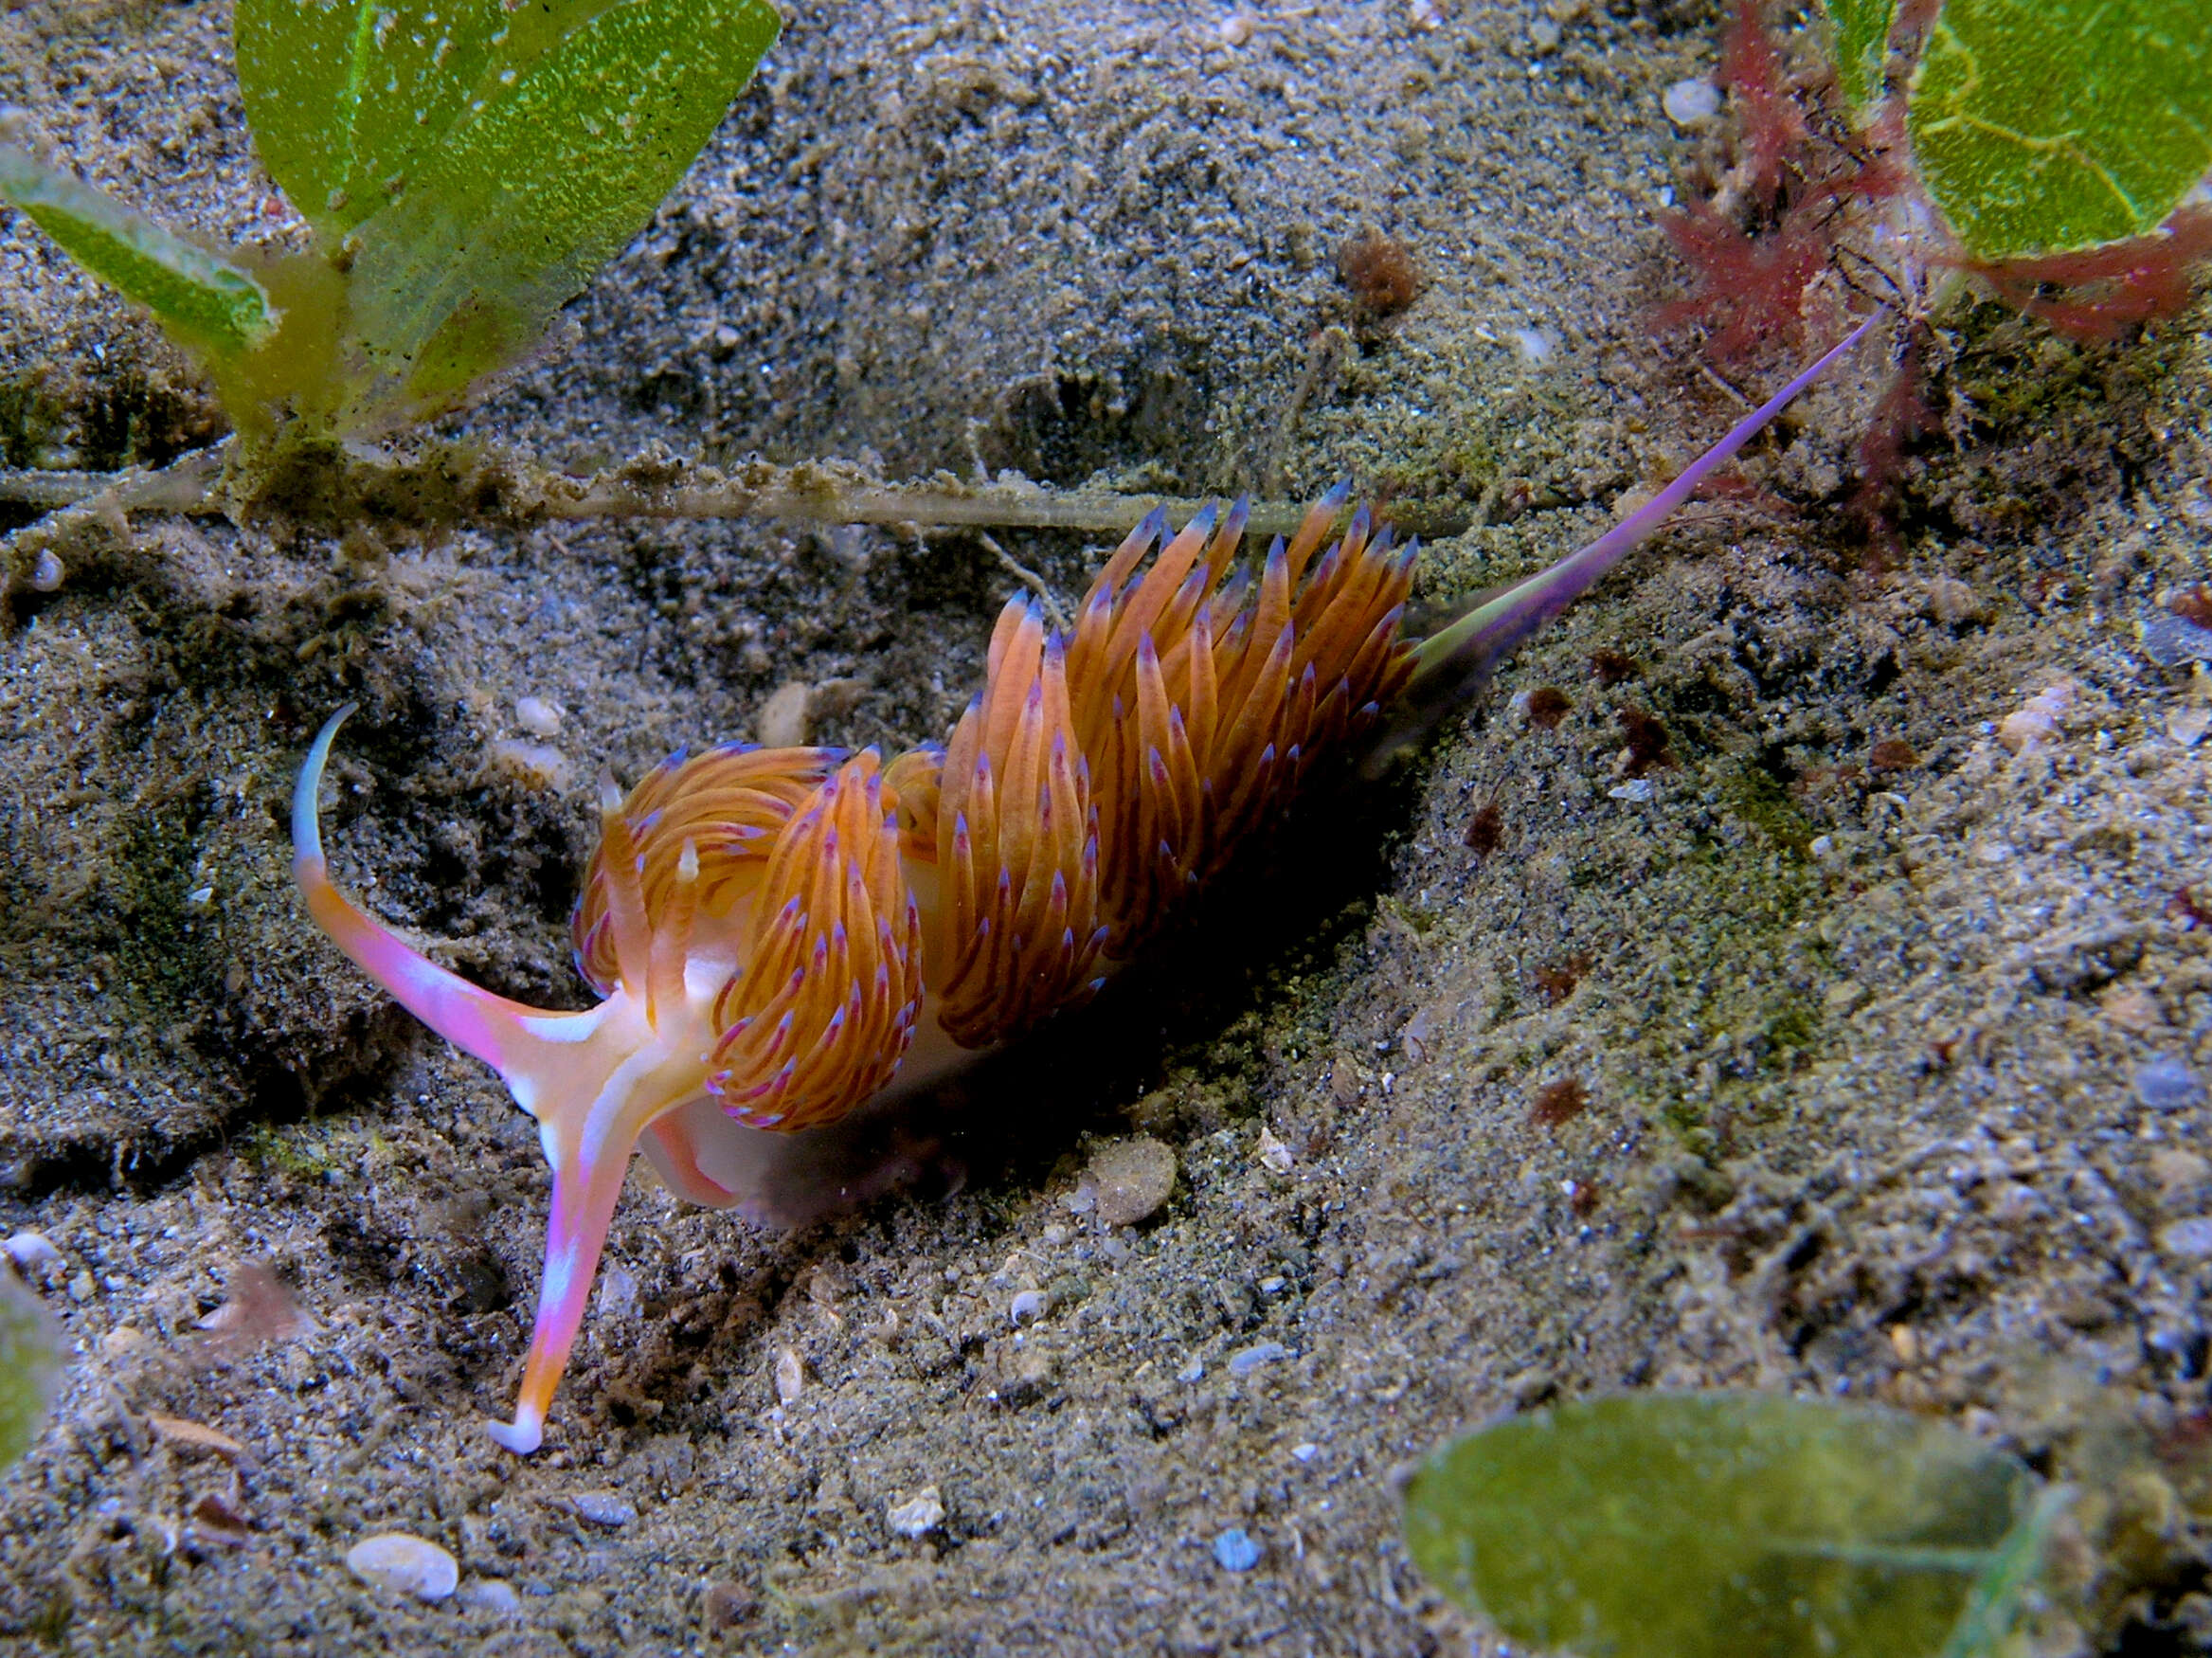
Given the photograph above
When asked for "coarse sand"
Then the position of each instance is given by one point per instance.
(1794, 1031)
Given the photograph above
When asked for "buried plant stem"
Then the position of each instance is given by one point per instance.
(518, 493)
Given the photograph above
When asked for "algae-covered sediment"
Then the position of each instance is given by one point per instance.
(1861, 1045)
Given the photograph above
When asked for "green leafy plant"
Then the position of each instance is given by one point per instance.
(2045, 126)
(30, 1364)
(466, 166)
(1738, 1525)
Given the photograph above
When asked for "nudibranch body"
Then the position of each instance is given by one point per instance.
(779, 936)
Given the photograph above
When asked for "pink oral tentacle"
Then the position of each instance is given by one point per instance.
(490, 1027)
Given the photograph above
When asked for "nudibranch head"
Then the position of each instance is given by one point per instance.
(779, 936)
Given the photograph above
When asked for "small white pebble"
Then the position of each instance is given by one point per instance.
(609, 1508)
(1193, 1371)
(617, 1292)
(1250, 1358)
(532, 765)
(537, 716)
(1426, 14)
(2189, 1239)
(1691, 102)
(2036, 719)
(1822, 846)
(1636, 790)
(2167, 1085)
(790, 1377)
(405, 1564)
(2187, 726)
(1029, 1306)
(1236, 29)
(199, 897)
(32, 1252)
(1272, 1152)
(784, 718)
(46, 575)
(1305, 1453)
(492, 1595)
(918, 1516)
(1534, 345)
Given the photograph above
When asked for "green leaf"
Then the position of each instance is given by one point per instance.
(1720, 1526)
(541, 182)
(345, 96)
(30, 1364)
(2045, 126)
(199, 296)
(1861, 30)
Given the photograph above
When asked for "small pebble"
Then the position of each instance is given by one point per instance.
(1235, 1550)
(405, 1564)
(2036, 719)
(790, 1376)
(2168, 640)
(1130, 1179)
(729, 1604)
(1636, 790)
(2190, 1240)
(32, 1252)
(1534, 345)
(1236, 29)
(1193, 1371)
(2187, 726)
(1953, 602)
(492, 1595)
(1305, 1453)
(609, 1508)
(1691, 102)
(46, 575)
(1273, 1153)
(2132, 1010)
(2167, 1085)
(1250, 1358)
(192, 1435)
(536, 765)
(786, 716)
(1543, 34)
(1029, 1306)
(537, 716)
(918, 1516)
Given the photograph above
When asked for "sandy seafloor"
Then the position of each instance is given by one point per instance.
(1888, 1074)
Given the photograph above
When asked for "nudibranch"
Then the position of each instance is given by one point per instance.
(779, 936)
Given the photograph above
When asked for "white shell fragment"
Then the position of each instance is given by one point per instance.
(405, 1564)
(537, 716)
(918, 1516)
(787, 716)
(608, 1508)
(1691, 101)
(790, 1376)
(536, 765)
(2035, 721)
